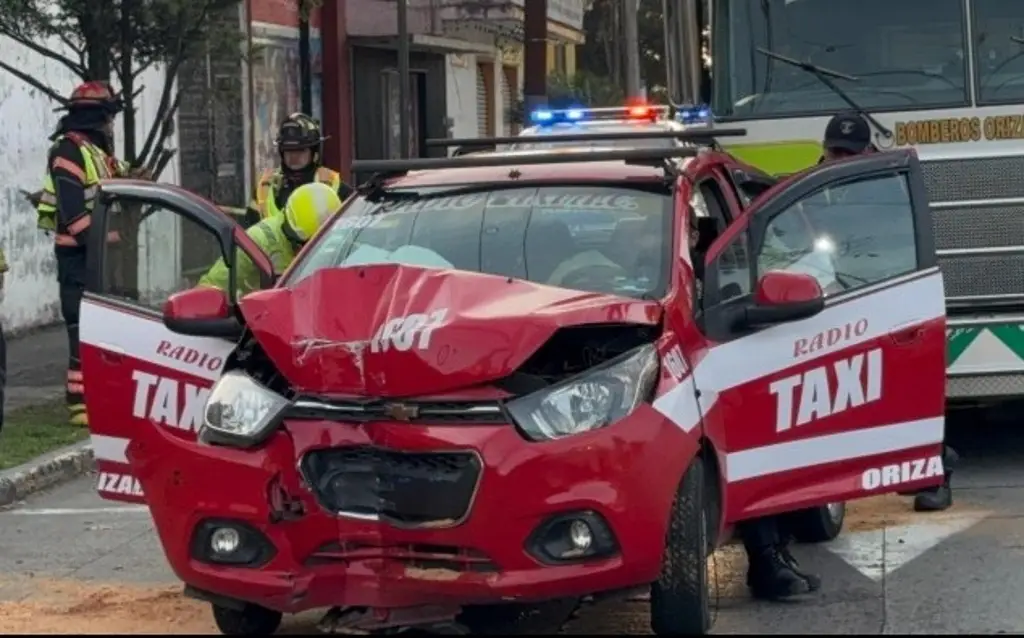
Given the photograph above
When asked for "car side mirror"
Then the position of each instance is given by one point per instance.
(783, 296)
(201, 312)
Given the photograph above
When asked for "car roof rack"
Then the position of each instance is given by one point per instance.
(695, 135)
(652, 156)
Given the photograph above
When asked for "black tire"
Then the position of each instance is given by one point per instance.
(252, 620)
(818, 524)
(680, 598)
(518, 619)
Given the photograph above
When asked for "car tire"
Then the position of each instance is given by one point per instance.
(251, 620)
(817, 524)
(517, 619)
(680, 598)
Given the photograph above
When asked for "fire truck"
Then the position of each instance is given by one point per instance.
(945, 77)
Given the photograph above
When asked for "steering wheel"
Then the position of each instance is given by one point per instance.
(593, 278)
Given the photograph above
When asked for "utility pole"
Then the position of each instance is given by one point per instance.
(403, 75)
(535, 55)
(631, 37)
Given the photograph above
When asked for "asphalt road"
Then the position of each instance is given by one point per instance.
(71, 563)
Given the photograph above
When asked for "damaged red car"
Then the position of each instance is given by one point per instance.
(497, 382)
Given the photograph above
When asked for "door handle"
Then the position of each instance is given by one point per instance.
(907, 336)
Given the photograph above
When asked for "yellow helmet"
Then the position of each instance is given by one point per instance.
(309, 207)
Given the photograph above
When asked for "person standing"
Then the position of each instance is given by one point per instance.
(80, 157)
(300, 147)
(848, 134)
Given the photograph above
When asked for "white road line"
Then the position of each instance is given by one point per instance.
(78, 511)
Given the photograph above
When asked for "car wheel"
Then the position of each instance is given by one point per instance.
(251, 620)
(517, 619)
(680, 600)
(818, 524)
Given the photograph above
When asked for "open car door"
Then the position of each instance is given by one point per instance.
(823, 307)
(137, 373)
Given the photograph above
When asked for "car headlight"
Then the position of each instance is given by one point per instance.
(240, 412)
(594, 399)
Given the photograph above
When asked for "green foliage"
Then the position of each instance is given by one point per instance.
(602, 53)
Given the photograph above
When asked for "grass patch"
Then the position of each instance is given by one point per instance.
(36, 429)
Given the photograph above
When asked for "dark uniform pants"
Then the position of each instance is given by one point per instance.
(71, 279)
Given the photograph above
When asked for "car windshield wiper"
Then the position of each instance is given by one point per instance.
(825, 77)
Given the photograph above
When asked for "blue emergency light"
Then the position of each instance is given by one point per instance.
(699, 114)
(553, 116)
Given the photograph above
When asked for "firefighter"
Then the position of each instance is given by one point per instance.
(280, 236)
(81, 156)
(300, 145)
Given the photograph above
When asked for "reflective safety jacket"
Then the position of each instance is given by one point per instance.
(265, 201)
(98, 166)
(269, 235)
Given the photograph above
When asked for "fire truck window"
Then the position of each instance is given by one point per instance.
(846, 236)
(906, 55)
(144, 239)
(999, 53)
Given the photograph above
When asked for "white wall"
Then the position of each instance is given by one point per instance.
(461, 94)
(28, 119)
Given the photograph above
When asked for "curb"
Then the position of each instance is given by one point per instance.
(49, 470)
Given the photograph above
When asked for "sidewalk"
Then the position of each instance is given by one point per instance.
(36, 367)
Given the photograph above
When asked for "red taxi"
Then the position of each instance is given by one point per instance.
(497, 381)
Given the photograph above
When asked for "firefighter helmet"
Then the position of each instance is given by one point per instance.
(299, 131)
(309, 207)
(94, 94)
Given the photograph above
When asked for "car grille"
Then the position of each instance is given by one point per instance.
(973, 226)
(404, 489)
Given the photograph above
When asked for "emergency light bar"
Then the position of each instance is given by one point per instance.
(547, 117)
(628, 155)
(696, 136)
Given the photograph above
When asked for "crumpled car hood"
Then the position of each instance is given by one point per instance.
(391, 330)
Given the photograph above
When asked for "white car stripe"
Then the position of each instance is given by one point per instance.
(832, 448)
(109, 448)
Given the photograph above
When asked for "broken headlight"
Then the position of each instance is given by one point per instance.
(594, 399)
(240, 412)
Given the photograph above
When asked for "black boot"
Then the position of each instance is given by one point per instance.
(939, 498)
(771, 577)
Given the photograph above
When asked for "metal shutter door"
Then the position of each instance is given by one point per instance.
(506, 104)
(482, 112)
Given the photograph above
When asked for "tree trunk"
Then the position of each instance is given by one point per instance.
(130, 217)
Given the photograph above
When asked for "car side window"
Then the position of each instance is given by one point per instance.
(733, 265)
(846, 236)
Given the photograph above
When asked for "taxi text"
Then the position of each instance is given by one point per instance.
(168, 401)
(404, 333)
(855, 381)
(905, 472)
(114, 483)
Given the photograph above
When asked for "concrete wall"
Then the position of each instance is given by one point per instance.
(460, 87)
(30, 288)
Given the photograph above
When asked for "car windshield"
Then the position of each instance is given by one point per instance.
(998, 32)
(605, 239)
(536, 143)
(906, 55)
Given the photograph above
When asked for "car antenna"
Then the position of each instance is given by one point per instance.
(825, 77)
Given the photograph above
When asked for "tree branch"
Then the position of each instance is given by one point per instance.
(163, 108)
(76, 68)
(34, 83)
(166, 128)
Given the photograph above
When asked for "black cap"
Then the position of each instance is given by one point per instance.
(848, 131)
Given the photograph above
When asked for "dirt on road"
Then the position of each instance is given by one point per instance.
(51, 606)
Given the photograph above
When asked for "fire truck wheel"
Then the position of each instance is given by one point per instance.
(252, 620)
(680, 600)
(818, 524)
